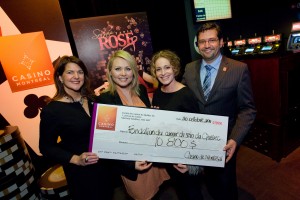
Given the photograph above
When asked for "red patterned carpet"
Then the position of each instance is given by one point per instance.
(266, 179)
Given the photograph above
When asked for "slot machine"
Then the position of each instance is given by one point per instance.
(272, 44)
(293, 43)
(230, 45)
(227, 48)
(254, 46)
(239, 47)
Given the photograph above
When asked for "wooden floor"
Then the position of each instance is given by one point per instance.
(261, 178)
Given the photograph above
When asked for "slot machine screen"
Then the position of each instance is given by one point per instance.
(267, 48)
(249, 50)
(235, 51)
(296, 40)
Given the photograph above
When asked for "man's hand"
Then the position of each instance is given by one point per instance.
(230, 149)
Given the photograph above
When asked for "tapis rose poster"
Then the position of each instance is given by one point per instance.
(96, 38)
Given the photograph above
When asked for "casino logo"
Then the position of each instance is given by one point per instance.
(28, 65)
(106, 119)
(27, 62)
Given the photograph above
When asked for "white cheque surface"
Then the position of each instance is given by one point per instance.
(131, 133)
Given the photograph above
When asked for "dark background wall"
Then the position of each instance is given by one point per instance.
(172, 25)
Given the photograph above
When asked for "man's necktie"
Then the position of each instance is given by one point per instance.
(207, 81)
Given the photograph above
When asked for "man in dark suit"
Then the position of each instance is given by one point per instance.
(222, 87)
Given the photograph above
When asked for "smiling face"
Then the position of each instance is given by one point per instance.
(72, 78)
(209, 45)
(121, 72)
(164, 71)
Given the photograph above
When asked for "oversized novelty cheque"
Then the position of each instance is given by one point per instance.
(133, 133)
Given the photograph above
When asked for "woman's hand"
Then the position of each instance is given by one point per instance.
(181, 168)
(86, 158)
(142, 165)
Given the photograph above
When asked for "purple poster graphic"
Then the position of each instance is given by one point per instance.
(96, 38)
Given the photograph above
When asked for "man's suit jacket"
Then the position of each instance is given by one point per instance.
(231, 95)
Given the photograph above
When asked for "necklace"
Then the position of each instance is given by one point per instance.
(81, 100)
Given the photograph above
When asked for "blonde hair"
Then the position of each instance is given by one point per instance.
(132, 63)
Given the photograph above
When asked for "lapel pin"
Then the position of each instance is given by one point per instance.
(224, 69)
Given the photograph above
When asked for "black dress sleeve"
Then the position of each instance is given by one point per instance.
(190, 102)
(49, 133)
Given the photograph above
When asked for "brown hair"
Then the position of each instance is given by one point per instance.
(59, 68)
(169, 55)
(210, 26)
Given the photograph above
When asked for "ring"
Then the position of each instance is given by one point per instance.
(86, 159)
